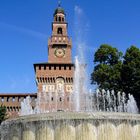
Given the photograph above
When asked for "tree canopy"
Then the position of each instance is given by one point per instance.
(130, 72)
(2, 113)
(106, 73)
(113, 70)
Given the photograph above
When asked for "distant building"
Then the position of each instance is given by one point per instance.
(54, 76)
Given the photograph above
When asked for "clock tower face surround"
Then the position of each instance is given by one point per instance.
(59, 52)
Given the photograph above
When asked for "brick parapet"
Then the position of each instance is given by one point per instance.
(12, 102)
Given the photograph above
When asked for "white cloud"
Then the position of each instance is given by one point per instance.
(23, 30)
(78, 10)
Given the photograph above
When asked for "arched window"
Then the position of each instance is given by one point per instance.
(59, 30)
(46, 80)
(51, 79)
(43, 79)
(55, 18)
(69, 80)
(60, 19)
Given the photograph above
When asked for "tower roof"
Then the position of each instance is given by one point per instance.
(59, 9)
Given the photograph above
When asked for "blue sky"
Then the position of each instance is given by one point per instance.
(25, 26)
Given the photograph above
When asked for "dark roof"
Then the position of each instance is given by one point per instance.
(53, 64)
(17, 94)
(46, 63)
(59, 10)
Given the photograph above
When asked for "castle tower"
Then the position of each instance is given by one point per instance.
(55, 78)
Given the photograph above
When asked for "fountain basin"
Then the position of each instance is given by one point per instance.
(73, 126)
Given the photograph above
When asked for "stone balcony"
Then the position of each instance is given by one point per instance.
(59, 40)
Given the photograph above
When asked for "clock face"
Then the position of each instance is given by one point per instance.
(59, 52)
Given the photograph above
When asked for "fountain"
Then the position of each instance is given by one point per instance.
(99, 117)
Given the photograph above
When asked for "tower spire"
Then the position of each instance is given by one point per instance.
(59, 3)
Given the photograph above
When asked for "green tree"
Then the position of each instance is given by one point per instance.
(2, 113)
(107, 70)
(131, 72)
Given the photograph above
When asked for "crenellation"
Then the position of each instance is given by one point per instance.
(44, 67)
(12, 102)
(39, 67)
(16, 99)
(19, 99)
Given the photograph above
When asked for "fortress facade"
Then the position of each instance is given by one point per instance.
(55, 76)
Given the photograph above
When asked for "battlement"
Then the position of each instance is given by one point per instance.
(12, 102)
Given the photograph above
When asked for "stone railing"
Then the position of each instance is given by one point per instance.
(59, 40)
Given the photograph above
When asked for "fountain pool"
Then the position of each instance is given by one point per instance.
(93, 117)
(73, 126)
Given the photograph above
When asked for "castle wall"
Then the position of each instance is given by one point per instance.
(48, 74)
(12, 102)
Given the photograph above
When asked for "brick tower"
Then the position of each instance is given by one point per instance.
(55, 78)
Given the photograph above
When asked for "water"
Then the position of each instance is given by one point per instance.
(107, 101)
(100, 100)
(80, 99)
(94, 116)
(73, 126)
(131, 105)
(76, 85)
(26, 107)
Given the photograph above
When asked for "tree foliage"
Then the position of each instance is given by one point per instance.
(106, 72)
(131, 72)
(2, 113)
(112, 71)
